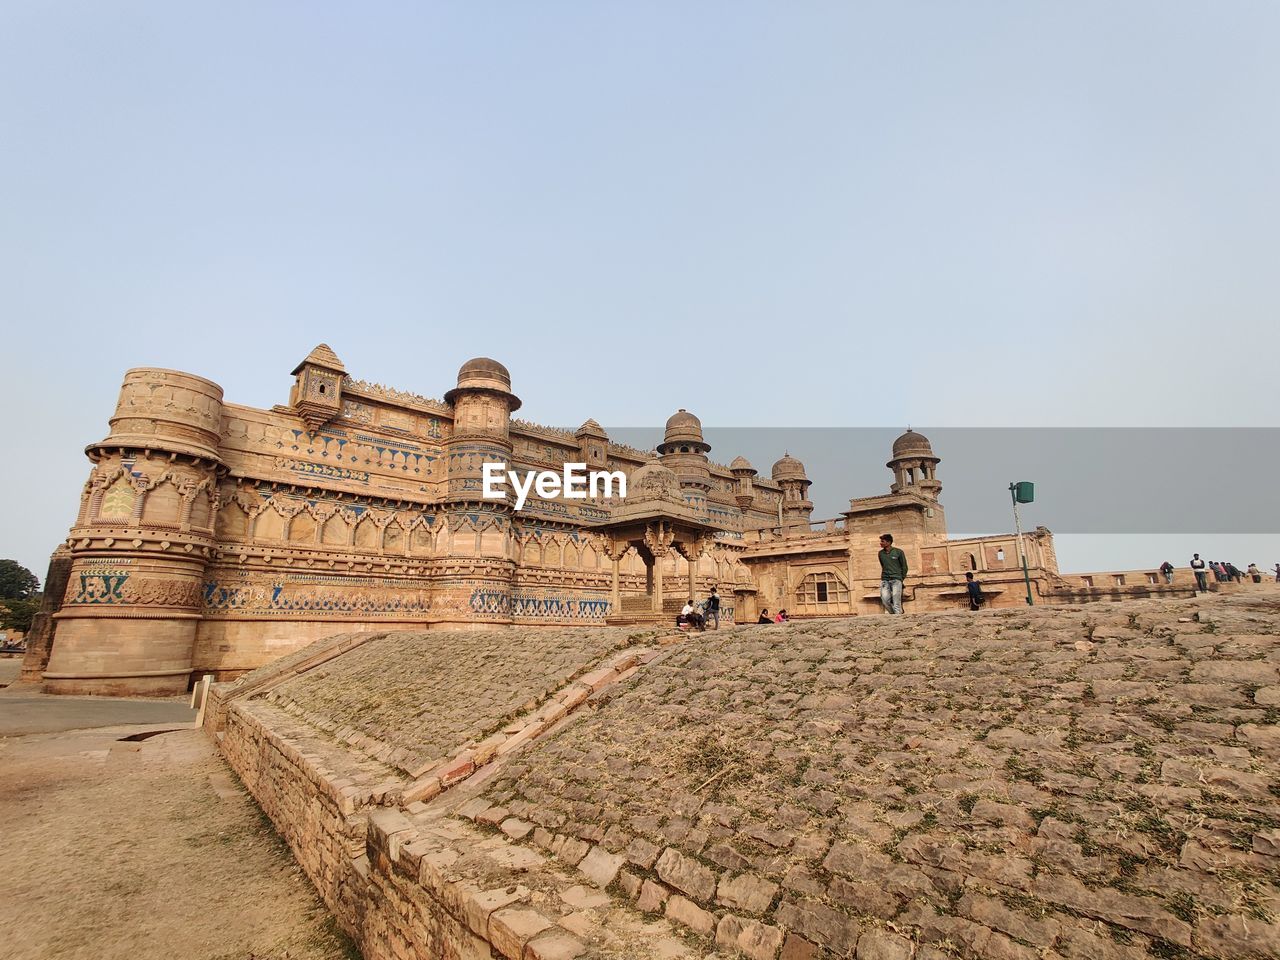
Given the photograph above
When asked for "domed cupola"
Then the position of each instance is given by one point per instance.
(685, 452)
(484, 374)
(914, 466)
(788, 473)
(683, 434)
(789, 468)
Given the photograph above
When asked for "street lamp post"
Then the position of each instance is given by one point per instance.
(1024, 491)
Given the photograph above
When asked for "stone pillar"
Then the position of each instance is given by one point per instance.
(658, 538)
(133, 596)
(615, 551)
(657, 585)
(692, 553)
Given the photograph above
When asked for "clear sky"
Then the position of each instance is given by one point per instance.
(773, 214)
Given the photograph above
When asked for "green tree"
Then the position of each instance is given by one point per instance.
(16, 581)
(18, 614)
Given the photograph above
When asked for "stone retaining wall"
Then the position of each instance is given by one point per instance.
(416, 882)
(1014, 784)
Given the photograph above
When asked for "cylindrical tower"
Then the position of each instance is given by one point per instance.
(744, 493)
(789, 474)
(684, 452)
(141, 541)
(475, 582)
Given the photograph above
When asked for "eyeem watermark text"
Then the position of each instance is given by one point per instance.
(575, 483)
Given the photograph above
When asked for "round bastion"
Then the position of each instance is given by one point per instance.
(167, 410)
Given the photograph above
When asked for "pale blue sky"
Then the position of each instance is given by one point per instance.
(776, 214)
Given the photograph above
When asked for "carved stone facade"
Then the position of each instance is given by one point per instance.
(213, 537)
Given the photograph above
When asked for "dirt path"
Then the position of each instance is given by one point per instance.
(145, 850)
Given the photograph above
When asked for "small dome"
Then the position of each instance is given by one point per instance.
(591, 429)
(912, 444)
(653, 481)
(788, 468)
(482, 373)
(482, 368)
(741, 463)
(683, 427)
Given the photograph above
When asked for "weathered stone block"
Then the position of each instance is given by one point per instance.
(746, 892)
(875, 944)
(511, 929)
(600, 866)
(642, 853)
(759, 941)
(515, 828)
(477, 906)
(584, 898)
(797, 948)
(554, 944)
(686, 875)
(682, 910)
(652, 897)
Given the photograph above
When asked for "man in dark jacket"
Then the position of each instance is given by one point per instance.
(975, 591)
(1197, 567)
(713, 608)
(893, 570)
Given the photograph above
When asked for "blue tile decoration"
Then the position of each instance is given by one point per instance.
(100, 588)
(311, 595)
(538, 605)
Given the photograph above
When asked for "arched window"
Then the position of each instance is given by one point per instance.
(822, 592)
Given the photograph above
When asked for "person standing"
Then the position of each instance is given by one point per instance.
(1254, 573)
(975, 591)
(713, 608)
(1197, 567)
(893, 570)
(1167, 569)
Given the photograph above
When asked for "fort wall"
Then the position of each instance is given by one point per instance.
(212, 537)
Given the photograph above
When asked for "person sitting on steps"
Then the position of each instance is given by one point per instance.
(690, 616)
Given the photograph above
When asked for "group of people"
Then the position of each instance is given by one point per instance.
(893, 571)
(695, 617)
(1223, 572)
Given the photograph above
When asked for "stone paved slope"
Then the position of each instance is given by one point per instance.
(1082, 782)
(423, 695)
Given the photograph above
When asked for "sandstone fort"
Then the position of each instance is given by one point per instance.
(212, 538)
(481, 736)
